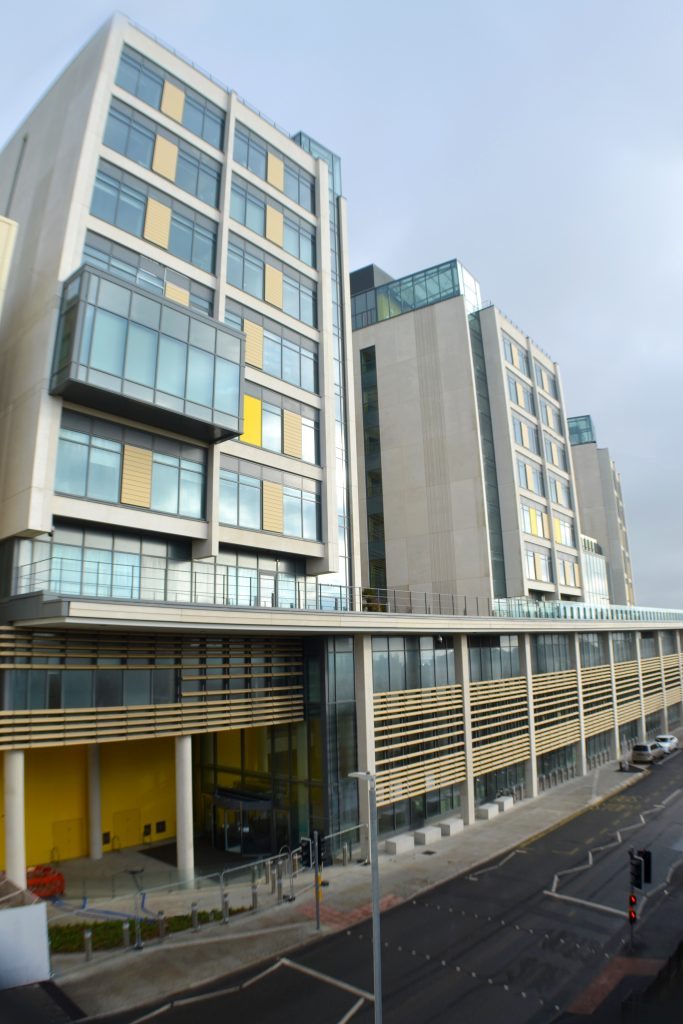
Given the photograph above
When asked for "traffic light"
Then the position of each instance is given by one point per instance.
(306, 847)
(322, 850)
(632, 914)
(636, 872)
(646, 857)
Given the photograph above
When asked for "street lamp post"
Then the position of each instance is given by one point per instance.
(374, 866)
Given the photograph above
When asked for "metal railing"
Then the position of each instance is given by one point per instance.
(214, 583)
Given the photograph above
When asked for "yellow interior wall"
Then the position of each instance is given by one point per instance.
(138, 788)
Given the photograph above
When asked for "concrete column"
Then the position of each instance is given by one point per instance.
(615, 706)
(525, 665)
(183, 801)
(365, 731)
(94, 803)
(643, 732)
(462, 672)
(662, 674)
(583, 767)
(15, 821)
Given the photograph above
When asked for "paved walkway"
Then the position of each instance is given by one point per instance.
(195, 958)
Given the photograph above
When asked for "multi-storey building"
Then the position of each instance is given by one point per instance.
(462, 444)
(174, 408)
(185, 647)
(601, 505)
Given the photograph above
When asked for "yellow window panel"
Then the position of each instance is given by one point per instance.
(515, 356)
(520, 393)
(253, 347)
(537, 565)
(157, 223)
(534, 522)
(529, 476)
(546, 526)
(276, 172)
(577, 574)
(252, 421)
(525, 435)
(165, 159)
(136, 476)
(273, 286)
(557, 527)
(275, 225)
(273, 514)
(177, 294)
(173, 101)
(292, 434)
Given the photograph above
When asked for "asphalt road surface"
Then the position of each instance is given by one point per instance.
(519, 941)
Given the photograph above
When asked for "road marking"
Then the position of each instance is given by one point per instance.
(352, 1012)
(585, 903)
(344, 985)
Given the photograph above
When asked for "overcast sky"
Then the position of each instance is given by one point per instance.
(539, 141)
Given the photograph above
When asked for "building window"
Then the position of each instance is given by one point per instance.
(520, 394)
(90, 456)
(144, 79)
(559, 492)
(134, 136)
(493, 657)
(121, 200)
(535, 521)
(247, 271)
(526, 435)
(241, 498)
(88, 467)
(545, 380)
(555, 453)
(538, 566)
(252, 152)
(530, 477)
(515, 355)
(248, 207)
(145, 273)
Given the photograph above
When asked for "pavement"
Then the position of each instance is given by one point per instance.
(194, 959)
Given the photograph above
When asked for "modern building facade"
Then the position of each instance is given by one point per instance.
(601, 505)
(462, 444)
(174, 418)
(187, 649)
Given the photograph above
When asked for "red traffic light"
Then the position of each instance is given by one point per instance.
(632, 917)
(633, 899)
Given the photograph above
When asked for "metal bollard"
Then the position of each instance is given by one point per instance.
(295, 863)
(226, 908)
(269, 875)
(87, 943)
(194, 911)
(254, 893)
(161, 921)
(279, 881)
(345, 854)
(274, 877)
(138, 934)
(126, 935)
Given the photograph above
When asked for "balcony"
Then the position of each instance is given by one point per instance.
(120, 351)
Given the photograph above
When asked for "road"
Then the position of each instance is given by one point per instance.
(519, 941)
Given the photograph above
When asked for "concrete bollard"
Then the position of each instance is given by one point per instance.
(161, 922)
(194, 911)
(87, 943)
(269, 873)
(226, 908)
(125, 942)
(345, 854)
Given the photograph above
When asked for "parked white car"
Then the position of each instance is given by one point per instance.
(647, 753)
(667, 742)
